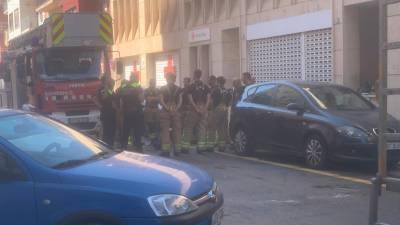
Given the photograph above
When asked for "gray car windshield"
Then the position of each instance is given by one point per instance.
(50, 143)
(337, 98)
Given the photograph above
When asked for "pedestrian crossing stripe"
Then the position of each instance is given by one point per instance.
(106, 32)
(57, 31)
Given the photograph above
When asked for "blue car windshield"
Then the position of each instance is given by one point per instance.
(48, 142)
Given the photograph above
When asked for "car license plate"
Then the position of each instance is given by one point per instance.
(78, 120)
(393, 146)
(217, 217)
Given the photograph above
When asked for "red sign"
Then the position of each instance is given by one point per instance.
(170, 66)
(135, 71)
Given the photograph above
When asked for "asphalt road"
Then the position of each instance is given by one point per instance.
(281, 191)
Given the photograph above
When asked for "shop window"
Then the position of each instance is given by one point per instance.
(198, 12)
(188, 13)
(11, 22)
(220, 9)
(17, 23)
(208, 10)
(234, 8)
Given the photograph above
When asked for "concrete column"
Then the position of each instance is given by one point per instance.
(204, 60)
(346, 45)
(243, 37)
(142, 19)
(231, 54)
(394, 58)
(184, 63)
(147, 68)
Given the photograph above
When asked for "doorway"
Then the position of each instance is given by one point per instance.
(199, 58)
(369, 46)
(230, 54)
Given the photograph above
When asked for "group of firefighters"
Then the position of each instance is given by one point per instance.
(172, 118)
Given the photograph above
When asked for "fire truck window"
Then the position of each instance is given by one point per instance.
(29, 65)
(55, 66)
(84, 65)
(20, 68)
(71, 64)
(40, 64)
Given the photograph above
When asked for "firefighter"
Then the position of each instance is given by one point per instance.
(199, 97)
(151, 112)
(212, 82)
(237, 91)
(247, 79)
(105, 100)
(211, 126)
(222, 99)
(131, 103)
(171, 101)
(186, 106)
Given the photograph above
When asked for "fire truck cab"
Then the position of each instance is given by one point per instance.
(57, 68)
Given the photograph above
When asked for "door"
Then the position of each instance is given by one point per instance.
(261, 113)
(17, 204)
(289, 124)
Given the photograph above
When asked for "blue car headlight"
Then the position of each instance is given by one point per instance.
(171, 205)
(352, 132)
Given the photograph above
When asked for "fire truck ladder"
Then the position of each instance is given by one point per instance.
(385, 138)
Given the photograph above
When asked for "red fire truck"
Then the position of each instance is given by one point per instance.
(57, 68)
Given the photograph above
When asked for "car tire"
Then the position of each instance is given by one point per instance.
(241, 142)
(316, 152)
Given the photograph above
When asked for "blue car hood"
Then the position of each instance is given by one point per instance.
(139, 174)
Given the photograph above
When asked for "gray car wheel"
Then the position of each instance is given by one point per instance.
(316, 152)
(241, 142)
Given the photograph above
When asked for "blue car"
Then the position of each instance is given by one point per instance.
(51, 174)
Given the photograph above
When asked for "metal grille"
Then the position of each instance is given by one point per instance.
(277, 58)
(306, 56)
(318, 55)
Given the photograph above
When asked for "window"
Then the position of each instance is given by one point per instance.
(337, 98)
(11, 22)
(264, 95)
(17, 23)
(286, 95)
(9, 169)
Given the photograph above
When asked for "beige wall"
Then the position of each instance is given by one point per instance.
(394, 57)
(168, 29)
(146, 28)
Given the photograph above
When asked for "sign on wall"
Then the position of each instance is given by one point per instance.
(199, 35)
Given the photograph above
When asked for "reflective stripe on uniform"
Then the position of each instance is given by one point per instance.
(166, 147)
(185, 145)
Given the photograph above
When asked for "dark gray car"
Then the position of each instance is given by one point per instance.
(318, 121)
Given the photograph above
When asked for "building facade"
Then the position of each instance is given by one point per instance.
(319, 40)
(46, 7)
(225, 38)
(4, 89)
(21, 16)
